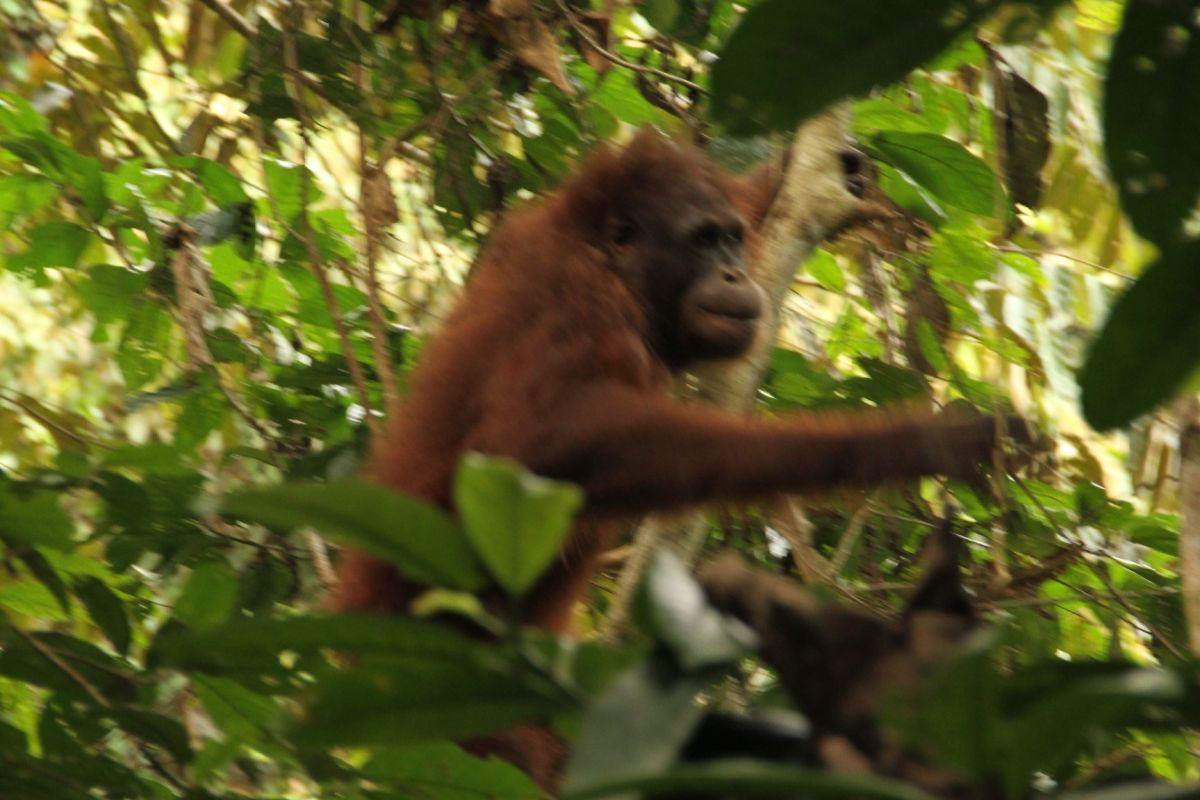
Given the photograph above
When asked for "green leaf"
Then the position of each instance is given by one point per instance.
(735, 778)
(823, 268)
(244, 715)
(154, 728)
(222, 185)
(1151, 117)
(1061, 725)
(617, 93)
(957, 712)
(515, 520)
(443, 770)
(156, 457)
(76, 667)
(47, 575)
(52, 244)
(202, 412)
(662, 14)
(422, 542)
(246, 642)
(961, 255)
(35, 519)
(831, 50)
(108, 289)
(1149, 345)
(945, 168)
(456, 189)
(208, 597)
(33, 600)
(18, 116)
(1142, 790)
(23, 194)
(106, 610)
(83, 174)
(285, 182)
(408, 699)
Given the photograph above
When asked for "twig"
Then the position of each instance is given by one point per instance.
(1092, 596)
(850, 538)
(232, 18)
(1189, 529)
(1135, 617)
(322, 565)
(49, 423)
(51, 656)
(97, 698)
(644, 69)
(292, 67)
(793, 524)
(129, 62)
(1068, 257)
(375, 201)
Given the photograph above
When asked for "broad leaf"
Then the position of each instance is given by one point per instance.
(443, 770)
(1149, 345)
(52, 244)
(787, 60)
(748, 779)
(155, 728)
(944, 168)
(245, 642)
(208, 597)
(515, 520)
(421, 541)
(36, 519)
(414, 699)
(1141, 790)
(1151, 117)
(106, 610)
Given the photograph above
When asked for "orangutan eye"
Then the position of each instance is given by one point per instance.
(624, 232)
(707, 236)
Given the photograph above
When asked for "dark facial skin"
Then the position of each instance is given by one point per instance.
(682, 252)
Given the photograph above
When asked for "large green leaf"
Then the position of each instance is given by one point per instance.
(222, 185)
(208, 597)
(18, 116)
(32, 599)
(1151, 117)
(946, 169)
(1141, 790)
(443, 770)
(414, 699)
(749, 779)
(421, 541)
(52, 244)
(155, 728)
(246, 642)
(515, 520)
(245, 715)
(1061, 725)
(36, 518)
(789, 59)
(106, 610)
(1150, 343)
(66, 665)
